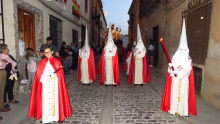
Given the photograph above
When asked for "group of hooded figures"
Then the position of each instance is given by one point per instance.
(179, 92)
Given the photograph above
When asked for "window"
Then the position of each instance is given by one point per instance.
(56, 30)
(198, 16)
(86, 5)
(75, 36)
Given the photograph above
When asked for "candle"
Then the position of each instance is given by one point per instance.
(165, 50)
(166, 53)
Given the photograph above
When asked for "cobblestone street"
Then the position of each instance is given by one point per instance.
(125, 104)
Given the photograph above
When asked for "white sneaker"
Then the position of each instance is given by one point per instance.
(23, 81)
(27, 92)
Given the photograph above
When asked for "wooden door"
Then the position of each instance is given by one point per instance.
(26, 23)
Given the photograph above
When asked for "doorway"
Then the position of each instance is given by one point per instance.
(26, 23)
(156, 43)
(83, 34)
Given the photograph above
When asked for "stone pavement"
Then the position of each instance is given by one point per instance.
(125, 104)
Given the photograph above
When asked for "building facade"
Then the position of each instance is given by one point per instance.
(163, 19)
(39, 19)
(63, 20)
(98, 23)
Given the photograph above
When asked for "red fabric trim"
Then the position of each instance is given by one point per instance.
(35, 107)
(131, 70)
(146, 70)
(192, 96)
(91, 66)
(115, 67)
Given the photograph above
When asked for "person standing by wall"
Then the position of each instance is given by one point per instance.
(151, 52)
(75, 52)
(3, 74)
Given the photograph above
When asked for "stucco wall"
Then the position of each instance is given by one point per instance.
(10, 31)
(9, 26)
(211, 80)
(67, 25)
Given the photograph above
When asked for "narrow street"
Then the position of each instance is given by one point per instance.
(125, 104)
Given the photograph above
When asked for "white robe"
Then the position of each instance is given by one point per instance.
(128, 63)
(138, 78)
(109, 71)
(85, 71)
(180, 90)
(50, 110)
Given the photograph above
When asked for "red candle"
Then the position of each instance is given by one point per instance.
(165, 50)
(166, 53)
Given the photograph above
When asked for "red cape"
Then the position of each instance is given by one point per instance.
(125, 65)
(91, 67)
(35, 107)
(145, 71)
(165, 106)
(115, 67)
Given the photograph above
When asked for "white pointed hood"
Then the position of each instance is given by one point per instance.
(110, 47)
(85, 50)
(140, 49)
(181, 57)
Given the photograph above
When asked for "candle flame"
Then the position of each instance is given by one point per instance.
(161, 39)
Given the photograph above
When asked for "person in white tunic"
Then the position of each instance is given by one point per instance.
(86, 65)
(108, 64)
(49, 98)
(50, 94)
(180, 82)
(139, 67)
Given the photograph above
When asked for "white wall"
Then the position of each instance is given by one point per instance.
(67, 25)
(9, 26)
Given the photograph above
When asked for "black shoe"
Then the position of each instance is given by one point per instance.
(7, 106)
(142, 84)
(88, 84)
(14, 101)
(115, 85)
(60, 122)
